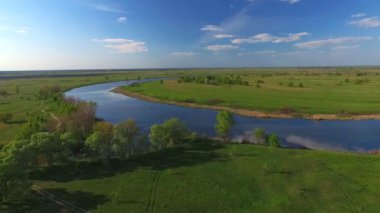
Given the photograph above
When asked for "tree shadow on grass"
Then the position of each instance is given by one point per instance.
(38, 203)
(16, 122)
(181, 156)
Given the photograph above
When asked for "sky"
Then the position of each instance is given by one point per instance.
(120, 34)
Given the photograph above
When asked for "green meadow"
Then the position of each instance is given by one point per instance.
(307, 92)
(209, 177)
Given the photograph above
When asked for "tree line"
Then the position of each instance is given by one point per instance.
(214, 80)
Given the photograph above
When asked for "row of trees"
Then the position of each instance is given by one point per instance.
(77, 134)
(214, 80)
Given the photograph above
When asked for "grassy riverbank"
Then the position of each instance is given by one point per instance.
(347, 95)
(209, 177)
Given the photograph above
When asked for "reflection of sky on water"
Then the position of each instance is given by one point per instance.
(336, 135)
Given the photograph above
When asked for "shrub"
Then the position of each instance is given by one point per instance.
(274, 140)
(260, 136)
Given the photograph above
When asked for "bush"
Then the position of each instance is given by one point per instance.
(49, 91)
(260, 136)
(274, 140)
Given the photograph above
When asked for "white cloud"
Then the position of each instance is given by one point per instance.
(265, 52)
(366, 22)
(107, 8)
(222, 36)
(122, 19)
(218, 47)
(22, 31)
(265, 37)
(347, 47)
(331, 41)
(183, 53)
(291, 1)
(124, 45)
(211, 28)
(358, 15)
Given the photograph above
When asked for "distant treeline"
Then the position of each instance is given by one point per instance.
(214, 80)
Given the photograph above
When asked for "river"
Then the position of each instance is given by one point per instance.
(359, 136)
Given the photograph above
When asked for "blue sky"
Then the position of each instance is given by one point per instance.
(85, 34)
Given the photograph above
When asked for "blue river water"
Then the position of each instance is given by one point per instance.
(359, 136)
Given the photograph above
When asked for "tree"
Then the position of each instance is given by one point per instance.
(260, 135)
(33, 126)
(82, 120)
(13, 179)
(100, 142)
(158, 136)
(171, 132)
(224, 123)
(176, 131)
(71, 143)
(125, 134)
(274, 140)
(46, 144)
(15, 158)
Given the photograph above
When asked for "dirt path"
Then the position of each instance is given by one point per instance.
(153, 193)
(53, 198)
(59, 123)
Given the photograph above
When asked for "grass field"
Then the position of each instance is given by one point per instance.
(209, 177)
(321, 92)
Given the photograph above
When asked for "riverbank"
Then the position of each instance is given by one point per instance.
(250, 113)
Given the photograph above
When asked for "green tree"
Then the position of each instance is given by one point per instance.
(176, 131)
(260, 136)
(15, 158)
(125, 135)
(33, 126)
(274, 140)
(100, 142)
(71, 144)
(224, 123)
(158, 136)
(46, 144)
(171, 132)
